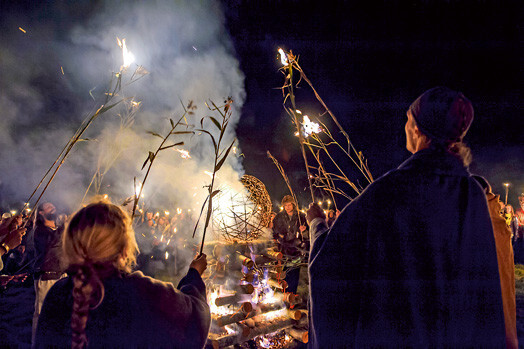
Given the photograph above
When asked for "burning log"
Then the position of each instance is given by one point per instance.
(294, 314)
(247, 307)
(289, 297)
(274, 254)
(248, 277)
(239, 316)
(221, 301)
(280, 284)
(246, 261)
(300, 335)
(246, 289)
(239, 337)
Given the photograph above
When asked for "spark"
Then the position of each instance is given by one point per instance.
(166, 213)
(210, 174)
(506, 185)
(62, 69)
(178, 211)
(22, 30)
(13, 212)
(194, 48)
(283, 57)
(167, 255)
(135, 104)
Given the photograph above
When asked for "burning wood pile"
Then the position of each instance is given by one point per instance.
(248, 299)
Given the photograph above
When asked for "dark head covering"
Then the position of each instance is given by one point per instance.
(443, 114)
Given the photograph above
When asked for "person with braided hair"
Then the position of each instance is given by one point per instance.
(103, 304)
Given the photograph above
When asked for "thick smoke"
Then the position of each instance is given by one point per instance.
(186, 49)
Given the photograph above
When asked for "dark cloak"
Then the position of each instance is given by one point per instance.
(411, 262)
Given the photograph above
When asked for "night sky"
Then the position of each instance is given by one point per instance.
(367, 59)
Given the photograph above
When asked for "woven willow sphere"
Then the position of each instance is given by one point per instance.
(241, 216)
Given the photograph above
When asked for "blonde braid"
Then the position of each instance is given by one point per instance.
(88, 292)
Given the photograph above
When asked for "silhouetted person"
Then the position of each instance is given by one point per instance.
(422, 270)
(102, 304)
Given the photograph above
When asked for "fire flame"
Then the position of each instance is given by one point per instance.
(283, 57)
(137, 189)
(310, 127)
(127, 55)
(184, 154)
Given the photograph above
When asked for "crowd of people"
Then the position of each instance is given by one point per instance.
(434, 269)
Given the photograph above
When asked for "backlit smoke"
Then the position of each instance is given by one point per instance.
(186, 49)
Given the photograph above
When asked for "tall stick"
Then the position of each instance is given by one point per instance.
(299, 129)
(152, 157)
(286, 179)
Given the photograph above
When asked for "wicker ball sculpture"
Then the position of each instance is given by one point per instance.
(240, 216)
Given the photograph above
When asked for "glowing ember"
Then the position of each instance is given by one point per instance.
(210, 174)
(126, 54)
(166, 213)
(22, 30)
(283, 57)
(178, 211)
(184, 154)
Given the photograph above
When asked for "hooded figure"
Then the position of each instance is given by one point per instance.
(423, 272)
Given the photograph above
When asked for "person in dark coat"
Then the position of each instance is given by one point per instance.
(423, 271)
(103, 305)
(289, 232)
(48, 265)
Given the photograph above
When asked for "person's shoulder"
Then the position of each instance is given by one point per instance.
(61, 289)
(146, 282)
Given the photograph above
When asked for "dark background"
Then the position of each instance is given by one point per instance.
(369, 60)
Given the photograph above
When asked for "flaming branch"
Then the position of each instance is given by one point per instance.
(325, 179)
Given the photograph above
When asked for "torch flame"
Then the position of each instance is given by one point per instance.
(184, 153)
(283, 57)
(127, 55)
(137, 189)
(310, 127)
